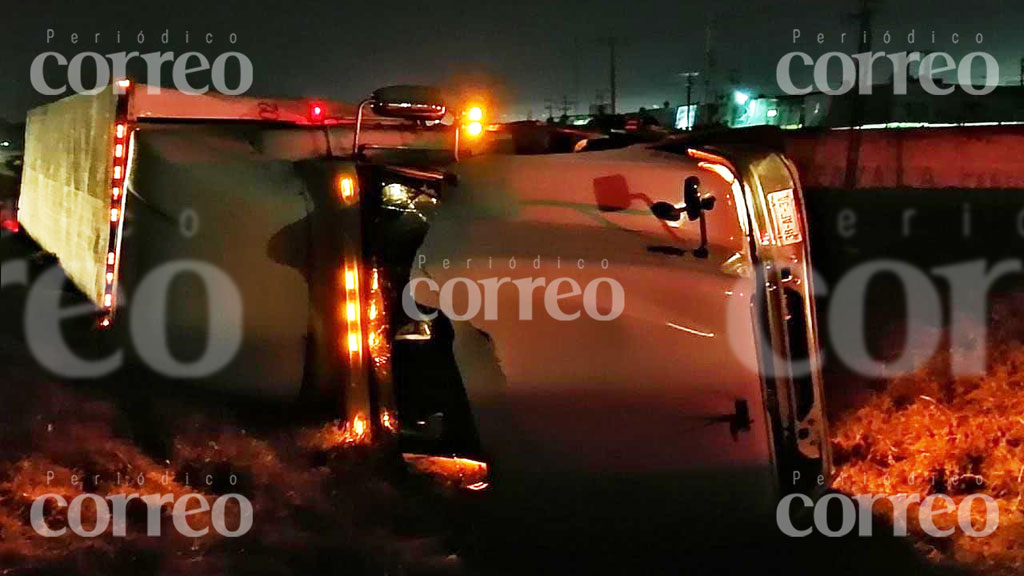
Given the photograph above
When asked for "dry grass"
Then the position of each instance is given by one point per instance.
(928, 433)
(315, 505)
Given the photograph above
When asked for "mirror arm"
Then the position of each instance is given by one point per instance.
(702, 252)
(359, 125)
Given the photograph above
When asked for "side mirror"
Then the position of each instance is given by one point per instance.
(409, 102)
(406, 102)
(694, 209)
(695, 205)
(612, 193)
(666, 211)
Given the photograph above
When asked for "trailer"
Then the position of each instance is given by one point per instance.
(254, 236)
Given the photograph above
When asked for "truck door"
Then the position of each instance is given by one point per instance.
(621, 364)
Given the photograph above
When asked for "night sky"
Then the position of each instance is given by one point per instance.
(519, 52)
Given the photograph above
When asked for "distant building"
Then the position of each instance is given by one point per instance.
(882, 107)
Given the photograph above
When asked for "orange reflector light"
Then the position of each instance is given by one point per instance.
(353, 312)
(108, 300)
(359, 426)
(458, 472)
(388, 421)
(120, 130)
(110, 277)
(375, 280)
(373, 312)
(124, 83)
(110, 258)
(118, 150)
(117, 172)
(347, 188)
(719, 169)
(117, 192)
(114, 213)
(105, 323)
(701, 155)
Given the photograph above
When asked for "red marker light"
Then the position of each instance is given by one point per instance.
(316, 113)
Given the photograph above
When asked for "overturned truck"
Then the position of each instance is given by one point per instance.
(645, 311)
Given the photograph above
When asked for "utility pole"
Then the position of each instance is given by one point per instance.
(566, 105)
(576, 70)
(689, 97)
(599, 97)
(611, 55)
(709, 62)
(1022, 71)
(864, 16)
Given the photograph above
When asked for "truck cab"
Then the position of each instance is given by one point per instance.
(647, 312)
